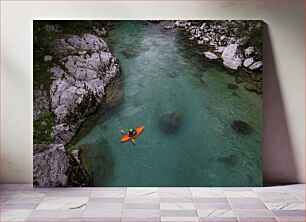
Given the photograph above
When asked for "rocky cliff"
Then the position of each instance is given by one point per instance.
(77, 68)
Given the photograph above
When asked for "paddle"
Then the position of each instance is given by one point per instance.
(124, 133)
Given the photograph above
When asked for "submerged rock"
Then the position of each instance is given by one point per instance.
(129, 53)
(210, 55)
(230, 160)
(170, 123)
(96, 158)
(241, 127)
(232, 86)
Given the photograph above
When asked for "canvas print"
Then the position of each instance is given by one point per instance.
(147, 103)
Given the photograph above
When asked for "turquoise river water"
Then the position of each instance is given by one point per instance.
(163, 72)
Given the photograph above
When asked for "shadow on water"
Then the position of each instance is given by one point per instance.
(96, 158)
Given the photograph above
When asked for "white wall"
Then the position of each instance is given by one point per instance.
(285, 61)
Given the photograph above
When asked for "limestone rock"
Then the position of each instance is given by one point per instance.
(210, 55)
(249, 51)
(229, 52)
(234, 64)
(41, 103)
(50, 166)
(230, 60)
(248, 62)
(48, 58)
(256, 65)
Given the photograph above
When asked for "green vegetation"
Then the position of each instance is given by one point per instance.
(43, 129)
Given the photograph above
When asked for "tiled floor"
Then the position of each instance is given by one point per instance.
(21, 202)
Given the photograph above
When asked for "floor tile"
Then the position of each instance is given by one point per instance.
(143, 213)
(256, 219)
(136, 219)
(142, 200)
(216, 213)
(19, 206)
(101, 219)
(105, 200)
(237, 200)
(64, 193)
(210, 200)
(108, 194)
(92, 205)
(225, 205)
(175, 192)
(285, 206)
(176, 200)
(103, 213)
(56, 214)
(289, 213)
(133, 192)
(291, 219)
(14, 215)
(177, 206)
(63, 203)
(179, 219)
(207, 192)
(218, 219)
(253, 213)
(141, 206)
(178, 213)
(246, 203)
(240, 194)
(55, 219)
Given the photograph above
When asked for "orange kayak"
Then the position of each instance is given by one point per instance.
(127, 138)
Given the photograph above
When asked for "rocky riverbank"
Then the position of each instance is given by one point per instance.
(71, 72)
(235, 44)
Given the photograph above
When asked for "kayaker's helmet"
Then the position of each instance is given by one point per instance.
(131, 130)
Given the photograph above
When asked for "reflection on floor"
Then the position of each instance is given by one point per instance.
(22, 202)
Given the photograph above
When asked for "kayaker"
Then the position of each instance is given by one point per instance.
(132, 133)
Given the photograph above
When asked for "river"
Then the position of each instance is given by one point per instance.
(163, 72)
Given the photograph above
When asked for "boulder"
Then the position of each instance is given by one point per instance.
(200, 42)
(203, 26)
(230, 59)
(220, 49)
(229, 52)
(234, 63)
(256, 65)
(210, 55)
(48, 58)
(249, 51)
(248, 62)
(99, 31)
(169, 27)
(50, 166)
